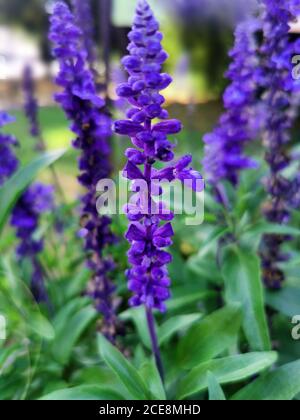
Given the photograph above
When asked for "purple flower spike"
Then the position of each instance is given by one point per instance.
(224, 147)
(84, 20)
(92, 125)
(38, 199)
(148, 235)
(281, 97)
(30, 102)
(26, 214)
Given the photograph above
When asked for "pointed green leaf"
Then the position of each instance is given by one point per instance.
(176, 324)
(286, 301)
(226, 370)
(243, 285)
(210, 337)
(84, 392)
(283, 384)
(152, 378)
(67, 337)
(215, 391)
(138, 317)
(186, 300)
(126, 372)
(15, 186)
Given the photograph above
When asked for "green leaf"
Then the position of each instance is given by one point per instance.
(215, 391)
(176, 324)
(272, 228)
(227, 370)
(15, 186)
(41, 326)
(243, 285)
(187, 300)
(123, 369)
(286, 301)
(138, 317)
(67, 337)
(283, 384)
(74, 287)
(210, 337)
(67, 311)
(84, 392)
(211, 241)
(152, 378)
(24, 302)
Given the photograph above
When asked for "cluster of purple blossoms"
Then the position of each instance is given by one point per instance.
(35, 201)
(224, 147)
(84, 20)
(281, 92)
(150, 230)
(30, 103)
(92, 125)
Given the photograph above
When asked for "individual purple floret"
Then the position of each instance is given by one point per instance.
(225, 153)
(281, 92)
(92, 125)
(148, 277)
(36, 200)
(31, 104)
(84, 20)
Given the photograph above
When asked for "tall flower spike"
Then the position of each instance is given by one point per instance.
(92, 125)
(148, 233)
(224, 148)
(31, 105)
(280, 95)
(36, 200)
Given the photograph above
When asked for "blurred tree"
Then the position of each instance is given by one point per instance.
(30, 15)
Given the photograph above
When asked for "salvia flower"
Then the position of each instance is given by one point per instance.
(36, 200)
(30, 102)
(92, 125)
(225, 154)
(281, 91)
(150, 231)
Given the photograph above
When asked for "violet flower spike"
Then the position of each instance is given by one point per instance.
(148, 233)
(225, 153)
(25, 218)
(31, 104)
(281, 92)
(35, 201)
(92, 125)
(84, 20)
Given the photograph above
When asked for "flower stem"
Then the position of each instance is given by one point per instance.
(154, 342)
